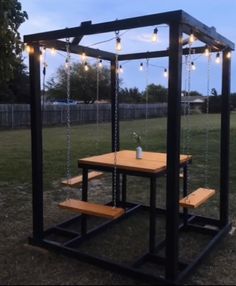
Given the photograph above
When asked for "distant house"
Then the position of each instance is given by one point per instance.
(196, 103)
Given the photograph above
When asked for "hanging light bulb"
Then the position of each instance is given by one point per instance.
(28, 49)
(218, 58)
(141, 66)
(207, 52)
(228, 56)
(121, 69)
(191, 38)
(53, 51)
(40, 56)
(165, 73)
(100, 64)
(86, 68)
(83, 57)
(66, 64)
(118, 44)
(193, 67)
(154, 35)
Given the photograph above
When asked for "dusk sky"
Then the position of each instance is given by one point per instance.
(46, 15)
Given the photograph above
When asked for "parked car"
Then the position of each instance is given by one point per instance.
(64, 102)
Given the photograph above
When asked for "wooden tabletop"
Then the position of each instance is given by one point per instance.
(151, 162)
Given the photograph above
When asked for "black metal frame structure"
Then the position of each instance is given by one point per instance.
(179, 23)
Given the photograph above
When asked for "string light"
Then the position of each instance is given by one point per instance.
(118, 44)
(141, 66)
(228, 56)
(66, 64)
(121, 69)
(218, 58)
(41, 56)
(165, 73)
(193, 67)
(191, 38)
(207, 52)
(100, 64)
(83, 57)
(53, 51)
(86, 68)
(154, 35)
(28, 49)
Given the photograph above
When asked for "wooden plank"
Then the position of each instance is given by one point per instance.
(196, 198)
(78, 180)
(92, 209)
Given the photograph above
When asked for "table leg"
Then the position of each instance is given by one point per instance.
(185, 192)
(152, 226)
(124, 184)
(84, 198)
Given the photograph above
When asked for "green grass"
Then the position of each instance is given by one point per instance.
(21, 265)
(15, 162)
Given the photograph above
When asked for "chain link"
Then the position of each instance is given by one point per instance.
(146, 104)
(207, 122)
(68, 129)
(97, 106)
(188, 127)
(116, 129)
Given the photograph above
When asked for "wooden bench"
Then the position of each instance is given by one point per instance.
(196, 198)
(78, 180)
(92, 209)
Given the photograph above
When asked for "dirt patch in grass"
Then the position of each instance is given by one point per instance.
(22, 264)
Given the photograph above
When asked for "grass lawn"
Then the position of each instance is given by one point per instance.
(23, 265)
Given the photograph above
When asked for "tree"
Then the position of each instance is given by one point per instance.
(156, 93)
(83, 83)
(130, 95)
(11, 66)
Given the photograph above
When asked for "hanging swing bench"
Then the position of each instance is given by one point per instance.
(197, 198)
(77, 181)
(92, 209)
(78, 206)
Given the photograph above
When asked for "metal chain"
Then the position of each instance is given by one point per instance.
(68, 129)
(188, 127)
(207, 122)
(97, 106)
(184, 135)
(116, 128)
(146, 104)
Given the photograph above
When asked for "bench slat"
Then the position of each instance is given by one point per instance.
(78, 180)
(196, 198)
(92, 209)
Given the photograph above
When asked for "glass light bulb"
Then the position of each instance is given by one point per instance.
(66, 64)
(100, 64)
(154, 35)
(118, 44)
(141, 67)
(53, 51)
(121, 69)
(207, 52)
(191, 38)
(193, 67)
(218, 58)
(165, 73)
(228, 55)
(41, 57)
(28, 49)
(86, 68)
(83, 56)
